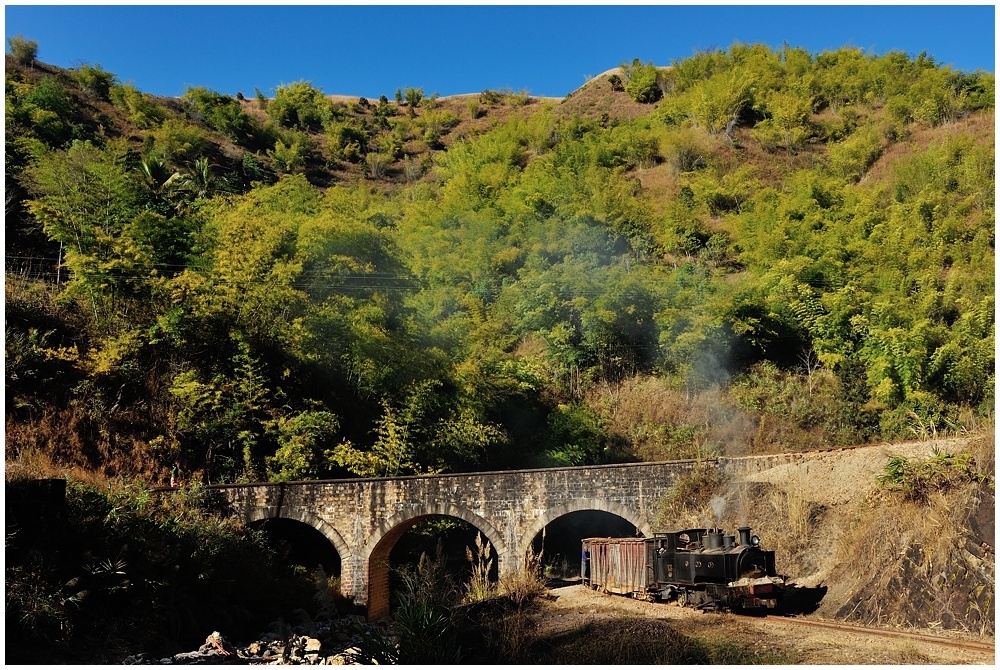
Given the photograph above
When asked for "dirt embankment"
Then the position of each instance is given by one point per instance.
(884, 557)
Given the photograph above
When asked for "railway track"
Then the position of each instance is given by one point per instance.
(954, 643)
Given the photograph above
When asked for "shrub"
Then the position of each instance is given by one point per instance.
(95, 80)
(48, 106)
(942, 471)
(141, 109)
(488, 97)
(289, 153)
(424, 626)
(473, 107)
(413, 96)
(376, 162)
(221, 112)
(479, 588)
(341, 135)
(261, 98)
(253, 168)
(851, 158)
(179, 142)
(642, 81)
(50, 95)
(300, 105)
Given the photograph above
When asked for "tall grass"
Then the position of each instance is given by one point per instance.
(480, 587)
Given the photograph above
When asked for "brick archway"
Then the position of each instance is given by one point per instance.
(380, 544)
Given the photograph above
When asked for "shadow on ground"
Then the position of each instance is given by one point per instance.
(801, 599)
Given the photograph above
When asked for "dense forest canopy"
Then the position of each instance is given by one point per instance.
(751, 250)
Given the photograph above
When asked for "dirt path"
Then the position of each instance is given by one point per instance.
(571, 607)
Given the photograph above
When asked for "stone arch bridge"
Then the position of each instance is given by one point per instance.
(363, 518)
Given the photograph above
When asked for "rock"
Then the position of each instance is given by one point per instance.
(141, 658)
(312, 644)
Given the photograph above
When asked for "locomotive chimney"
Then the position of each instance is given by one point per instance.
(744, 532)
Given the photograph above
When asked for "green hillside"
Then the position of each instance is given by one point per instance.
(749, 251)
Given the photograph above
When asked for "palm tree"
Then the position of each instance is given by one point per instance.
(199, 182)
(161, 180)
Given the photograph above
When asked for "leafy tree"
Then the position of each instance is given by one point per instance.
(84, 199)
(717, 103)
(219, 420)
(478, 317)
(222, 113)
(141, 109)
(685, 73)
(289, 153)
(95, 80)
(47, 109)
(641, 81)
(22, 49)
(413, 96)
(301, 438)
(179, 142)
(300, 105)
(391, 454)
(787, 120)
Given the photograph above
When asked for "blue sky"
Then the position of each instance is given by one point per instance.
(548, 50)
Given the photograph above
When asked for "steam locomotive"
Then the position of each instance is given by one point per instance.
(700, 568)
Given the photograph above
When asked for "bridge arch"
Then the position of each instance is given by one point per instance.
(308, 518)
(380, 544)
(584, 505)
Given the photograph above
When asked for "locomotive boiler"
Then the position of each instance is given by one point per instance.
(701, 568)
